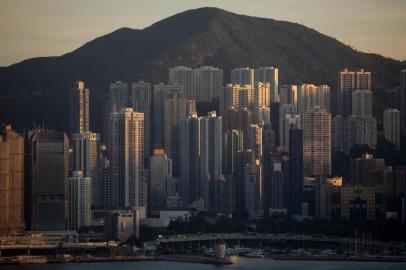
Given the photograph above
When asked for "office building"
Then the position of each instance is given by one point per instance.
(358, 202)
(391, 127)
(80, 200)
(11, 181)
(317, 142)
(79, 108)
(366, 170)
(47, 193)
(328, 199)
(277, 182)
(127, 159)
(294, 194)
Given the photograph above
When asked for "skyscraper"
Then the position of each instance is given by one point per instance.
(295, 175)
(161, 93)
(192, 187)
(252, 185)
(174, 110)
(211, 155)
(262, 98)
(160, 175)
(284, 110)
(275, 118)
(127, 159)
(232, 144)
(291, 121)
(47, 186)
(277, 182)
(80, 200)
(362, 102)
(289, 95)
(86, 159)
(317, 142)
(311, 95)
(185, 77)
(391, 126)
(118, 96)
(140, 101)
(271, 75)
(79, 108)
(403, 101)
(348, 82)
(243, 76)
(209, 81)
(11, 181)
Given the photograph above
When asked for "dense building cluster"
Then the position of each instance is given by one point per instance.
(248, 145)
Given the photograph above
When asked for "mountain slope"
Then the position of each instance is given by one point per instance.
(36, 89)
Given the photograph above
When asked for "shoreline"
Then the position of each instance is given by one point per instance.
(186, 258)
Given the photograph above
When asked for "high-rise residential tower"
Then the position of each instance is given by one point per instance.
(317, 142)
(271, 75)
(209, 81)
(140, 101)
(185, 77)
(391, 126)
(80, 199)
(160, 174)
(127, 159)
(118, 96)
(86, 159)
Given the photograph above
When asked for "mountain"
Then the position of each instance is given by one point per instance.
(36, 89)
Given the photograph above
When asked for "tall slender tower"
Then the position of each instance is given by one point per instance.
(211, 155)
(79, 108)
(317, 142)
(127, 159)
(11, 181)
(294, 194)
(192, 187)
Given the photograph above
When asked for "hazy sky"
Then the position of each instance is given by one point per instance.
(30, 28)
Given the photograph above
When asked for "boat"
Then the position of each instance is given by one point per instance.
(254, 254)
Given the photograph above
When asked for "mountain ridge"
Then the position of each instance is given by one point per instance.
(205, 36)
